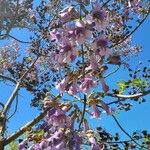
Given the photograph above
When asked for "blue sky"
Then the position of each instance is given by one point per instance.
(136, 119)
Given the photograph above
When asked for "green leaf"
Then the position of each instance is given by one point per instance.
(122, 86)
(13, 145)
(137, 81)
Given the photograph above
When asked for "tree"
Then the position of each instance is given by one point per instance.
(72, 50)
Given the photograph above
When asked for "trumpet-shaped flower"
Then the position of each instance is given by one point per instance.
(108, 110)
(59, 118)
(62, 85)
(98, 17)
(67, 52)
(87, 83)
(69, 14)
(81, 32)
(100, 46)
(96, 112)
(105, 87)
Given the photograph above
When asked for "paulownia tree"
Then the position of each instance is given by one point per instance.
(74, 47)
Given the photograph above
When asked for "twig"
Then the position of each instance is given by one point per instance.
(112, 72)
(123, 130)
(5, 35)
(85, 99)
(25, 42)
(2, 104)
(83, 75)
(83, 112)
(7, 78)
(106, 3)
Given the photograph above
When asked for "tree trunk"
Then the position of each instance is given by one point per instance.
(1, 144)
(2, 122)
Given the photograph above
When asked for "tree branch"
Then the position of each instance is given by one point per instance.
(134, 96)
(16, 107)
(83, 112)
(8, 35)
(106, 3)
(10, 100)
(122, 129)
(112, 72)
(25, 127)
(7, 78)
(1, 104)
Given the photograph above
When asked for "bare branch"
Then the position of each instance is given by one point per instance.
(112, 72)
(106, 3)
(2, 104)
(10, 100)
(25, 127)
(16, 107)
(123, 130)
(134, 96)
(7, 78)
(25, 42)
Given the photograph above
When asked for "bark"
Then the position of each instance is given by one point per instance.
(2, 120)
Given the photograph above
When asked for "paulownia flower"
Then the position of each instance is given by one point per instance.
(87, 83)
(96, 112)
(108, 109)
(69, 14)
(99, 17)
(62, 85)
(105, 87)
(59, 118)
(81, 32)
(100, 46)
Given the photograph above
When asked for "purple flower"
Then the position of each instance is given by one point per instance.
(57, 136)
(60, 146)
(55, 35)
(87, 83)
(69, 14)
(100, 45)
(96, 147)
(98, 13)
(59, 118)
(62, 85)
(67, 52)
(106, 108)
(43, 144)
(104, 86)
(23, 144)
(35, 147)
(81, 32)
(99, 17)
(73, 88)
(93, 65)
(96, 112)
